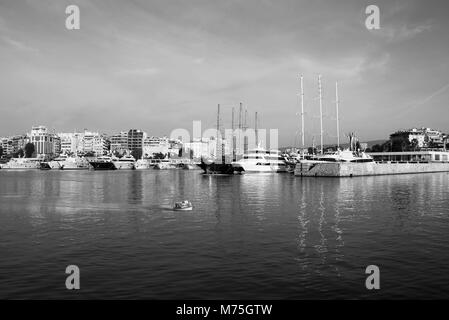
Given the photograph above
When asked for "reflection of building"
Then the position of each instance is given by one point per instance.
(44, 141)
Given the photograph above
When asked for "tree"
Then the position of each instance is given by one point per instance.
(414, 144)
(29, 150)
(18, 154)
(1, 151)
(376, 148)
(137, 153)
(159, 155)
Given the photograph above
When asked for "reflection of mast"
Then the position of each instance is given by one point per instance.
(321, 113)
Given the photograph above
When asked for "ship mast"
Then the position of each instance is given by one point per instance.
(321, 113)
(256, 130)
(218, 130)
(233, 137)
(338, 120)
(302, 116)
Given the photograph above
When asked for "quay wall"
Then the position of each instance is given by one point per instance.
(348, 169)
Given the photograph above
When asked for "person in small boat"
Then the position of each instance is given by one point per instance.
(182, 204)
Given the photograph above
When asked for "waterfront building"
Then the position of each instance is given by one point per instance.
(70, 142)
(410, 156)
(4, 145)
(119, 142)
(201, 148)
(44, 141)
(94, 142)
(135, 139)
(414, 139)
(154, 145)
(13, 144)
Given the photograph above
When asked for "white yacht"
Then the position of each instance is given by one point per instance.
(341, 156)
(261, 160)
(125, 163)
(143, 164)
(22, 164)
(72, 163)
(165, 164)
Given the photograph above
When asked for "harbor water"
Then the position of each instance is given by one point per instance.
(253, 236)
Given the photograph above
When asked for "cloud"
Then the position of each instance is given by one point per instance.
(18, 45)
(350, 67)
(150, 71)
(402, 32)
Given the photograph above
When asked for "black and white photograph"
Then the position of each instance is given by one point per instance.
(224, 150)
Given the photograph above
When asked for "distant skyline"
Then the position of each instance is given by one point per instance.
(159, 65)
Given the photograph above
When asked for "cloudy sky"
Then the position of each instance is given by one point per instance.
(158, 65)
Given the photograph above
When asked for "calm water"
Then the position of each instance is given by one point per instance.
(252, 236)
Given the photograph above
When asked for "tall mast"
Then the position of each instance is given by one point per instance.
(338, 121)
(302, 114)
(245, 126)
(233, 136)
(218, 129)
(240, 129)
(321, 113)
(256, 130)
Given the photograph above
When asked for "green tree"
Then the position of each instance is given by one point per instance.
(18, 154)
(29, 150)
(414, 144)
(1, 151)
(159, 155)
(137, 153)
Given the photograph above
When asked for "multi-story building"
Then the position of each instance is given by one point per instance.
(71, 142)
(201, 148)
(119, 142)
(154, 145)
(415, 138)
(12, 145)
(93, 142)
(44, 141)
(4, 144)
(136, 139)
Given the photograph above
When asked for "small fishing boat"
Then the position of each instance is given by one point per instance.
(183, 206)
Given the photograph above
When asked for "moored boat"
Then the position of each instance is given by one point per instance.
(126, 162)
(103, 163)
(22, 164)
(261, 160)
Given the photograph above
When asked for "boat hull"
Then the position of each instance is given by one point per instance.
(352, 169)
(124, 165)
(102, 165)
(259, 168)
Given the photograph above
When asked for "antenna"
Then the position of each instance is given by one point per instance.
(321, 112)
(338, 121)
